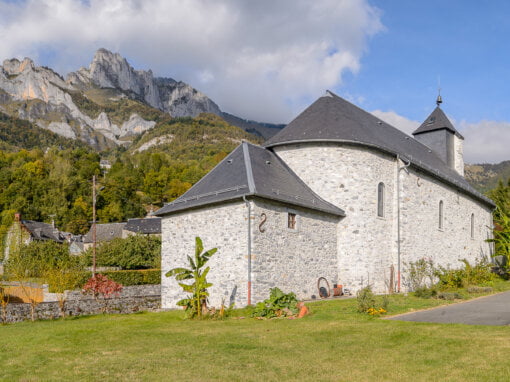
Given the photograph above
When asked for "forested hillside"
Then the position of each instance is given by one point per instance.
(161, 165)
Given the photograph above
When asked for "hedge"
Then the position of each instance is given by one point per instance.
(129, 277)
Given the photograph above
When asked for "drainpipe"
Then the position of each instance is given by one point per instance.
(399, 168)
(249, 248)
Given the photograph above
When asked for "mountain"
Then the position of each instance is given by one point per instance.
(106, 104)
(485, 177)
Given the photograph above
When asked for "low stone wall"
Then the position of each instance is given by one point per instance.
(85, 305)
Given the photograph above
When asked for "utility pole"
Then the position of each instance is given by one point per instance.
(94, 226)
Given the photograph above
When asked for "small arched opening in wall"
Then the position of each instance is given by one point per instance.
(441, 218)
(380, 200)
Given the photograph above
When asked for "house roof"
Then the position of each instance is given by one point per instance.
(43, 231)
(333, 119)
(144, 226)
(437, 120)
(250, 170)
(105, 232)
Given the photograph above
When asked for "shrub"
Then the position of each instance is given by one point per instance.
(278, 304)
(478, 274)
(420, 274)
(102, 288)
(127, 278)
(366, 299)
(425, 292)
(450, 296)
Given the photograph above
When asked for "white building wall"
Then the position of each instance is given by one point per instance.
(421, 235)
(458, 147)
(223, 227)
(348, 176)
(292, 259)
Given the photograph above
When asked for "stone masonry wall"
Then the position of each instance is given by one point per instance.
(421, 235)
(348, 176)
(223, 227)
(291, 259)
(81, 307)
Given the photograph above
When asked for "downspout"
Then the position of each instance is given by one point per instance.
(399, 168)
(249, 248)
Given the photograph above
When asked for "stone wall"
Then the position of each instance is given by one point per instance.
(421, 235)
(81, 307)
(291, 259)
(367, 244)
(223, 227)
(348, 176)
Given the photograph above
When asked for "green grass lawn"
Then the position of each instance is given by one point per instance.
(334, 343)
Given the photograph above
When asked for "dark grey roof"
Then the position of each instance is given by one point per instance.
(43, 231)
(105, 232)
(250, 170)
(333, 119)
(144, 226)
(437, 120)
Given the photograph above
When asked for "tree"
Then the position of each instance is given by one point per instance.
(61, 277)
(501, 196)
(102, 288)
(196, 303)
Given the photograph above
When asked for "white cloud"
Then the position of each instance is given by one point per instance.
(484, 142)
(398, 121)
(259, 59)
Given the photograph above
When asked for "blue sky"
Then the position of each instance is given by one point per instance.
(462, 43)
(267, 60)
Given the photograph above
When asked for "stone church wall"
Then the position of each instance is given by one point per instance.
(348, 176)
(224, 227)
(421, 235)
(292, 259)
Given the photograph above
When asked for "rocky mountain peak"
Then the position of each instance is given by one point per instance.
(14, 66)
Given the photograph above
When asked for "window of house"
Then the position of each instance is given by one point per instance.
(440, 225)
(291, 221)
(472, 226)
(380, 199)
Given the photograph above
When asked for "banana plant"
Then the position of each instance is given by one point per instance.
(196, 302)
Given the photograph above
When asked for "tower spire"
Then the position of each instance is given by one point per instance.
(439, 100)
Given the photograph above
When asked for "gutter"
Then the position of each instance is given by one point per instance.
(399, 168)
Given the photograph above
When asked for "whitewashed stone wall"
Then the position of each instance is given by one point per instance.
(367, 244)
(458, 146)
(348, 176)
(292, 259)
(421, 236)
(223, 227)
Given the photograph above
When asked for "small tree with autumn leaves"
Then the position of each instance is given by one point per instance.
(102, 288)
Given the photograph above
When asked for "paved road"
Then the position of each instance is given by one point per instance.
(491, 310)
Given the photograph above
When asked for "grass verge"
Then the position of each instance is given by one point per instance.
(333, 343)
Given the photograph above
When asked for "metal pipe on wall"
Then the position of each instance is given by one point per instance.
(248, 205)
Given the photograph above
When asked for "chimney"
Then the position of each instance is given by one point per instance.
(17, 217)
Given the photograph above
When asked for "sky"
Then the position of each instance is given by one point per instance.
(267, 60)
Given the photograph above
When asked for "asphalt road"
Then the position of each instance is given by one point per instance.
(490, 310)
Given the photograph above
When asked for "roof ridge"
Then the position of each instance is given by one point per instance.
(249, 170)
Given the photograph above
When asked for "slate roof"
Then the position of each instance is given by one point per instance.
(144, 226)
(333, 119)
(43, 231)
(437, 120)
(250, 170)
(105, 232)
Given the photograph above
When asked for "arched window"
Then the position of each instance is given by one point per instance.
(472, 226)
(440, 214)
(380, 199)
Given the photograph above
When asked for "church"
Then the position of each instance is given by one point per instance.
(337, 194)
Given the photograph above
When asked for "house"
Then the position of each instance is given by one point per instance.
(147, 226)
(24, 231)
(104, 233)
(339, 194)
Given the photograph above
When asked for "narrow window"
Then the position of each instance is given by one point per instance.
(472, 226)
(291, 222)
(441, 214)
(380, 199)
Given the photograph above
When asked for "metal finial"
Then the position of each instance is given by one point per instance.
(439, 100)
